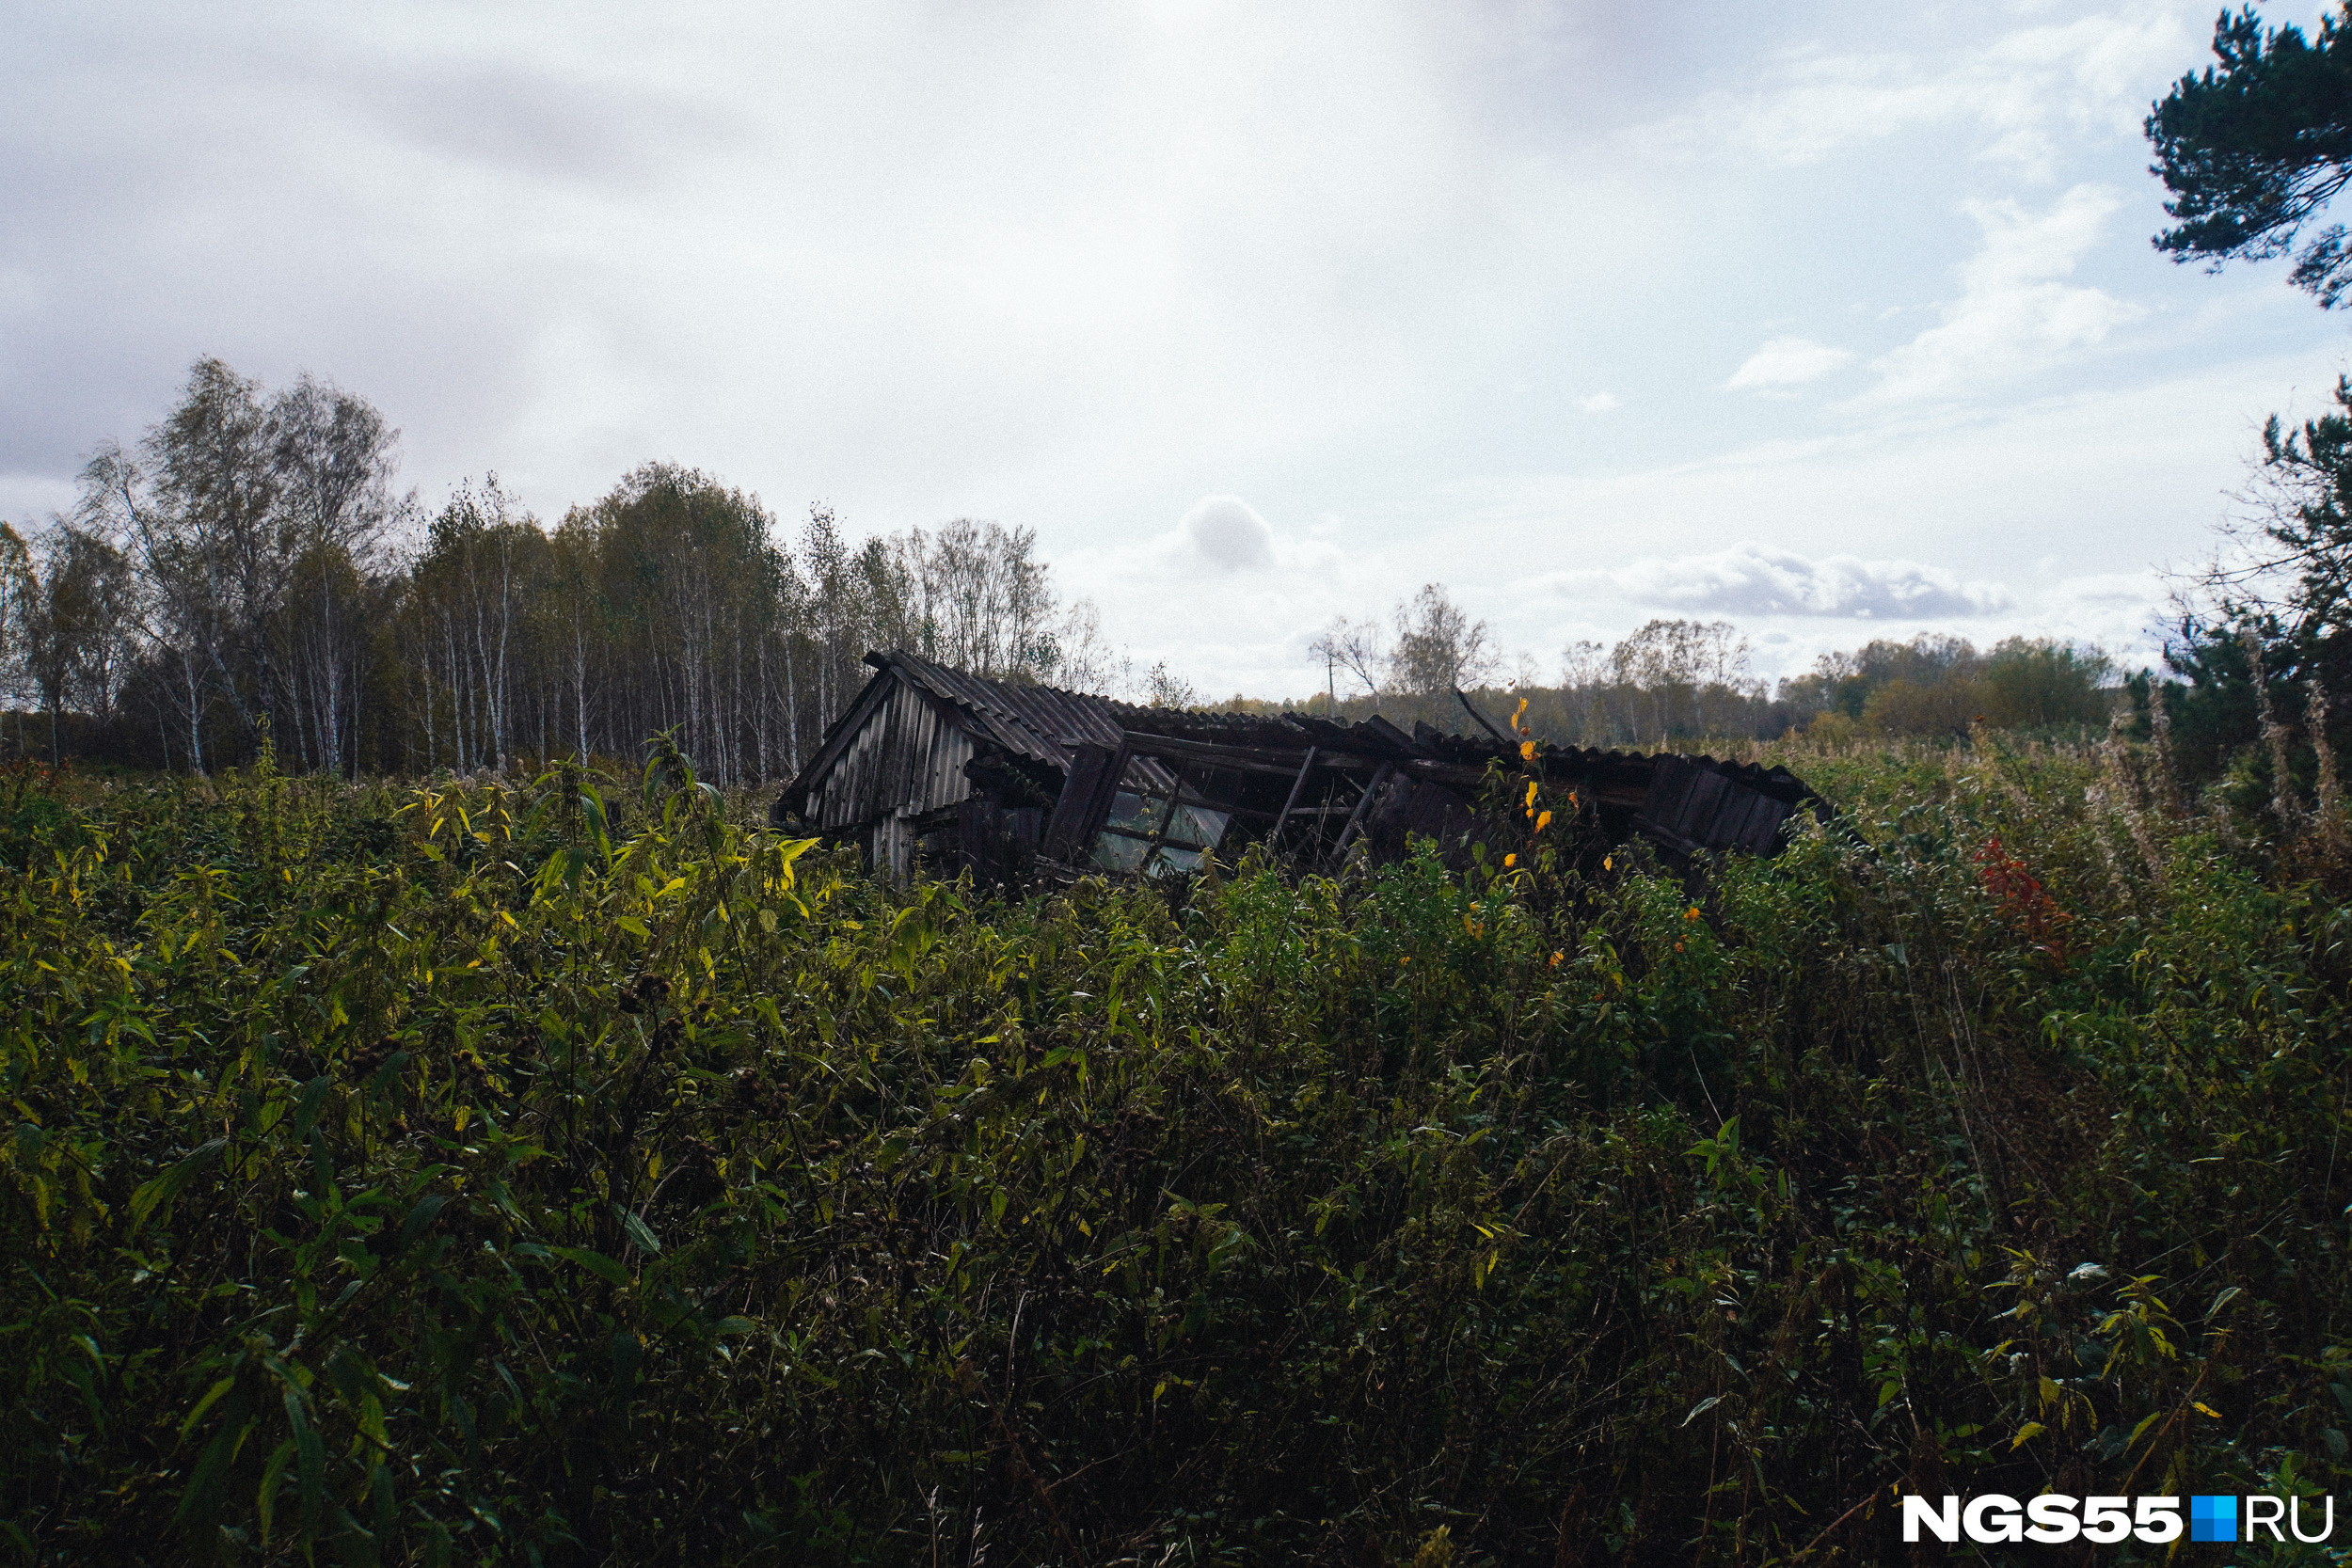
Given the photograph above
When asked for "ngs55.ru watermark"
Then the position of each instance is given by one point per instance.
(2055, 1518)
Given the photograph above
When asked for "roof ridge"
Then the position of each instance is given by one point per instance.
(991, 703)
(992, 682)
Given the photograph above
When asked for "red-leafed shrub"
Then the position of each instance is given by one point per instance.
(2025, 903)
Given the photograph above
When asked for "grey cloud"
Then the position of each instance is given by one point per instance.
(1227, 533)
(1753, 581)
(1067, 267)
(302, 97)
(294, 194)
(506, 116)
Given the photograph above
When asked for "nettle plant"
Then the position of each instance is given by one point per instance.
(570, 1171)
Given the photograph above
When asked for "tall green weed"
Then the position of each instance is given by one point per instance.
(569, 1173)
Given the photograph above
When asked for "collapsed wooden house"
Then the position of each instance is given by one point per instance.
(934, 771)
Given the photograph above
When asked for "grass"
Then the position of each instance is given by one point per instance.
(566, 1173)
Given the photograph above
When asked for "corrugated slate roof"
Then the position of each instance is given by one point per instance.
(1040, 723)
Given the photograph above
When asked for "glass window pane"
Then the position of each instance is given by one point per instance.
(1198, 826)
(1136, 813)
(1114, 853)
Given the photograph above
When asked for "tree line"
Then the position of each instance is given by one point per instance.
(247, 575)
(1676, 679)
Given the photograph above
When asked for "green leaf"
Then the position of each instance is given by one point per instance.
(312, 1454)
(356, 1542)
(594, 1262)
(380, 1493)
(273, 1477)
(307, 1107)
(202, 1496)
(211, 1394)
(638, 1231)
(160, 1192)
(419, 1217)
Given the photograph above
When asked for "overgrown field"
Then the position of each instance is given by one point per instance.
(570, 1173)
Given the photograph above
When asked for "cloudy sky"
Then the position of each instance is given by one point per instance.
(1837, 320)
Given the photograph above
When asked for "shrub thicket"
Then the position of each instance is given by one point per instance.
(554, 1174)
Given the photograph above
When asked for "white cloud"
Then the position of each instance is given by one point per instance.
(1825, 103)
(1159, 579)
(2013, 316)
(1751, 580)
(2025, 93)
(1224, 532)
(1078, 267)
(2122, 612)
(1225, 597)
(1786, 362)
